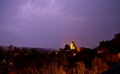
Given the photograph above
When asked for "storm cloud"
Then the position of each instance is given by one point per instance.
(53, 23)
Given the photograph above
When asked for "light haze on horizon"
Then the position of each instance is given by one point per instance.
(53, 23)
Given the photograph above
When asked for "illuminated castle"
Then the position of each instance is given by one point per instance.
(73, 46)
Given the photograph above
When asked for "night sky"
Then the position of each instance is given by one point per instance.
(53, 23)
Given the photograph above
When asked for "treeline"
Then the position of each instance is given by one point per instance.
(16, 60)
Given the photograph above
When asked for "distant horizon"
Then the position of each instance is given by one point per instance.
(55, 48)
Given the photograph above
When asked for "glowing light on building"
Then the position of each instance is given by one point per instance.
(74, 54)
(78, 49)
(72, 45)
(56, 52)
(119, 54)
(11, 63)
(3, 61)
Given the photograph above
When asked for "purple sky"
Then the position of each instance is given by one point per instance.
(53, 23)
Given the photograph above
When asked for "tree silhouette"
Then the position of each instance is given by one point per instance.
(67, 47)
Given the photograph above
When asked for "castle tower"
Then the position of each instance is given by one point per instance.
(72, 45)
